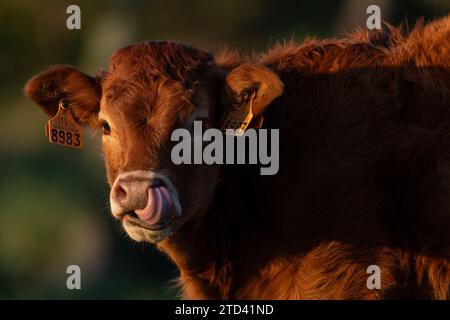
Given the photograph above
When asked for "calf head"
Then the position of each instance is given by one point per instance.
(149, 90)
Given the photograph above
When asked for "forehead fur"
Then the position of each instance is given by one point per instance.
(160, 59)
(141, 71)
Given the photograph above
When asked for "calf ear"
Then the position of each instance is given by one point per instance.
(253, 81)
(80, 92)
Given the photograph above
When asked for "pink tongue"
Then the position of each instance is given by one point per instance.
(159, 206)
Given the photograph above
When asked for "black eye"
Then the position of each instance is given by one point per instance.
(106, 129)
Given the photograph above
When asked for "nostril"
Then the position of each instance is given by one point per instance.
(120, 193)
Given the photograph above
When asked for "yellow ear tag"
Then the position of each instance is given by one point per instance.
(63, 129)
(239, 118)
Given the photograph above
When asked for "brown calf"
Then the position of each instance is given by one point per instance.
(364, 173)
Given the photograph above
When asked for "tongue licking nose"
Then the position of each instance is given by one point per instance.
(159, 208)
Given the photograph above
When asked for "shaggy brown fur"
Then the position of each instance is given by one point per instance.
(364, 165)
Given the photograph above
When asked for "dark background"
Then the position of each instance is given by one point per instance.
(53, 200)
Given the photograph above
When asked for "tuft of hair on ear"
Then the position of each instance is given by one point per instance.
(227, 58)
(81, 92)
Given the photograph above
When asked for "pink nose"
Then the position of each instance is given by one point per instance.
(128, 193)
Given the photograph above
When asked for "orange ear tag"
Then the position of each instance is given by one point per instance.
(239, 118)
(63, 129)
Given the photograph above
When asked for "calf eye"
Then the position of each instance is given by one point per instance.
(106, 129)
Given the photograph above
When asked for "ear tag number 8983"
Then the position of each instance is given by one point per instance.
(63, 129)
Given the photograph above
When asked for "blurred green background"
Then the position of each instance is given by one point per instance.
(53, 200)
